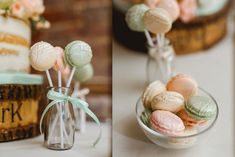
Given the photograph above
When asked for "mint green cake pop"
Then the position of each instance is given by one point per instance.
(84, 73)
(134, 17)
(78, 53)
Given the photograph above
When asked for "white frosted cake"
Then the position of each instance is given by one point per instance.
(15, 40)
(20, 92)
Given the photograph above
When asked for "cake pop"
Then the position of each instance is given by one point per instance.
(135, 21)
(157, 20)
(171, 6)
(84, 73)
(134, 17)
(77, 54)
(42, 57)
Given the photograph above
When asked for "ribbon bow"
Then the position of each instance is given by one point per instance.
(57, 98)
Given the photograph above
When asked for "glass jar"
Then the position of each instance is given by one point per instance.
(159, 64)
(59, 127)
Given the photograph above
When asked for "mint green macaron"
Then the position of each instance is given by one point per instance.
(135, 17)
(78, 53)
(201, 107)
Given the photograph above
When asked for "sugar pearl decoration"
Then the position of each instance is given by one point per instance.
(84, 73)
(78, 53)
(157, 20)
(42, 56)
(134, 17)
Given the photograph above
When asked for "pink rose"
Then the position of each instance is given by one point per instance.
(18, 10)
(33, 7)
(187, 9)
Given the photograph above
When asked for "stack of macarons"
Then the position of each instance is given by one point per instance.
(175, 108)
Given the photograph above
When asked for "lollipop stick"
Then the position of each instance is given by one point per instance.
(61, 112)
(71, 77)
(149, 39)
(49, 78)
(82, 121)
(160, 63)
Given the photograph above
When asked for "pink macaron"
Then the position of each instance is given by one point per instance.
(183, 84)
(167, 123)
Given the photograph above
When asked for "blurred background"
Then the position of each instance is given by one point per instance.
(90, 21)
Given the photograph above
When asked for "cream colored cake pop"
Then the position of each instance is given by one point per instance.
(171, 6)
(157, 20)
(42, 56)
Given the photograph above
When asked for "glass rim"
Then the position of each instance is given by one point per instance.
(146, 128)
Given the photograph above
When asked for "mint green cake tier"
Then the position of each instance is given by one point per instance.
(200, 107)
(20, 78)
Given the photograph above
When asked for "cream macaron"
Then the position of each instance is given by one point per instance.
(169, 101)
(183, 84)
(152, 90)
(157, 20)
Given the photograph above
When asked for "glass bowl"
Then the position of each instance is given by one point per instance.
(177, 142)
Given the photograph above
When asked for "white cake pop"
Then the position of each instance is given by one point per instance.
(42, 56)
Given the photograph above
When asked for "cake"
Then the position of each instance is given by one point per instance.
(15, 39)
(20, 91)
(195, 30)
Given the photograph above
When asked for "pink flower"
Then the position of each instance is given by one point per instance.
(18, 10)
(187, 9)
(33, 7)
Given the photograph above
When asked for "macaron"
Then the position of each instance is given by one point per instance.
(200, 108)
(78, 53)
(169, 101)
(152, 90)
(84, 73)
(145, 117)
(166, 122)
(42, 56)
(183, 84)
(157, 20)
(189, 121)
(171, 6)
(134, 17)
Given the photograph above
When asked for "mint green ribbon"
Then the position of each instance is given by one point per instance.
(58, 98)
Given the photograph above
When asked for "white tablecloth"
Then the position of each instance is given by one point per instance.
(82, 148)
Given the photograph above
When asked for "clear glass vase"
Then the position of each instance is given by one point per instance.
(59, 127)
(160, 62)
